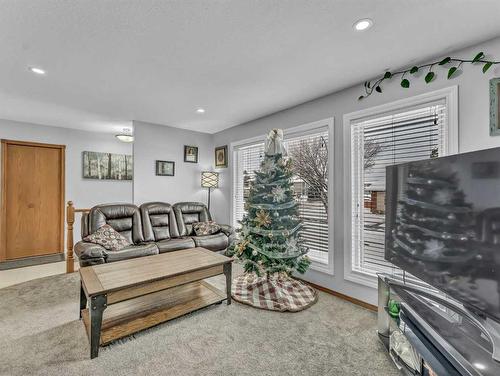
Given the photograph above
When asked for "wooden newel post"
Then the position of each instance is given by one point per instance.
(70, 219)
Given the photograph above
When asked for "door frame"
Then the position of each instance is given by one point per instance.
(3, 186)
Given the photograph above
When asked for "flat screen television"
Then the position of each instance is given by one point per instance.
(443, 226)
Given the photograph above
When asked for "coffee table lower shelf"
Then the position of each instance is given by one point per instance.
(130, 316)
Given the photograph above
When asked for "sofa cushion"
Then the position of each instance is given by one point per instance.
(205, 228)
(187, 213)
(175, 244)
(132, 251)
(215, 242)
(124, 218)
(108, 238)
(157, 221)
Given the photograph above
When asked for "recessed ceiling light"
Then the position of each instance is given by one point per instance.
(200, 110)
(36, 70)
(363, 24)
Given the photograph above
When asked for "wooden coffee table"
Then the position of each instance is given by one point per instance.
(131, 295)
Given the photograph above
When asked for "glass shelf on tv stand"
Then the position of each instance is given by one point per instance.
(452, 332)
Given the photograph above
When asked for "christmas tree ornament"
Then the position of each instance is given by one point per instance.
(278, 194)
(268, 166)
(262, 218)
(271, 229)
(241, 247)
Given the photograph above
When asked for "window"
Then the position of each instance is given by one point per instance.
(246, 159)
(375, 142)
(309, 154)
(308, 145)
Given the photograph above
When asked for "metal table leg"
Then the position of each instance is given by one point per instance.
(97, 306)
(227, 272)
(83, 300)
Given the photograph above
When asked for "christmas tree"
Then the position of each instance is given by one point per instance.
(270, 244)
(270, 241)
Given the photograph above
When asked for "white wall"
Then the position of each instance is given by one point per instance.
(157, 142)
(85, 193)
(473, 135)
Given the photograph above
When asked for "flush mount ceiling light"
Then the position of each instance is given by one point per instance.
(36, 70)
(200, 110)
(363, 24)
(125, 136)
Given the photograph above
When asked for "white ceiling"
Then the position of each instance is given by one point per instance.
(110, 62)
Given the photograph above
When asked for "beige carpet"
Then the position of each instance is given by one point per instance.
(40, 334)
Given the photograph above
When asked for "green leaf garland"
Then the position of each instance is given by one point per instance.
(431, 75)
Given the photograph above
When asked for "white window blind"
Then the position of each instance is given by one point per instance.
(375, 144)
(247, 160)
(312, 209)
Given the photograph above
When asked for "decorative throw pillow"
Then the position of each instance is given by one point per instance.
(205, 228)
(107, 237)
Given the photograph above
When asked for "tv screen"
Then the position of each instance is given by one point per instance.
(443, 225)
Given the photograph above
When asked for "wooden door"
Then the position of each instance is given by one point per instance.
(32, 200)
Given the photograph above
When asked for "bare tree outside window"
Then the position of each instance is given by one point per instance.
(372, 149)
(310, 164)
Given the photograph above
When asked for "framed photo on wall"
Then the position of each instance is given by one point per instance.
(221, 156)
(165, 168)
(190, 154)
(495, 107)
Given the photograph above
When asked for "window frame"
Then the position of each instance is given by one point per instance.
(304, 129)
(450, 97)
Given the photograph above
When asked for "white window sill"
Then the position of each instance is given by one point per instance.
(320, 262)
(362, 278)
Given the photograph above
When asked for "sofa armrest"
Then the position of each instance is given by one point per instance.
(229, 232)
(226, 229)
(89, 251)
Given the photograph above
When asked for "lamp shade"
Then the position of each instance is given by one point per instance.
(209, 179)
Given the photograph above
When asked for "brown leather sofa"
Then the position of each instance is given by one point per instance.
(152, 228)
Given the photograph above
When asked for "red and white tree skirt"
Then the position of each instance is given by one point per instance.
(276, 293)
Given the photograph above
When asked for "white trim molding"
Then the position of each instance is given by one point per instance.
(327, 123)
(450, 97)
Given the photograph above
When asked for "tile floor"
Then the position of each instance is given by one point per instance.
(14, 276)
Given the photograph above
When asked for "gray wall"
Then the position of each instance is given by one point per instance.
(473, 135)
(85, 193)
(157, 142)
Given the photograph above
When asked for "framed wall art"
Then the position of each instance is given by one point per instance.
(107, 166)
(221, 156)
(495, 107)
(190, 154)
(165, 168)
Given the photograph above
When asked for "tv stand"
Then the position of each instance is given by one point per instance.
(450, 338)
